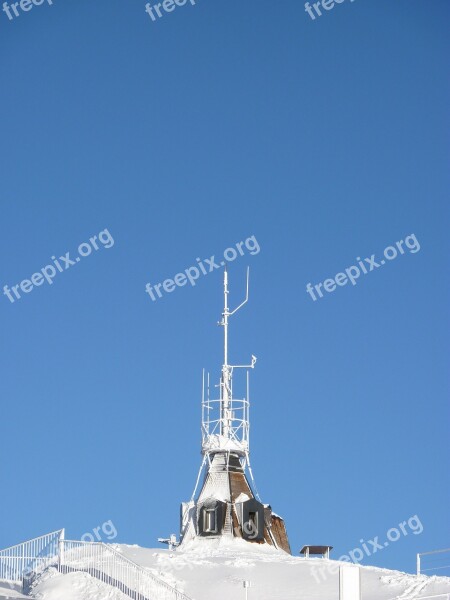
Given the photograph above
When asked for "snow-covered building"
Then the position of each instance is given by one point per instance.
(227, 504)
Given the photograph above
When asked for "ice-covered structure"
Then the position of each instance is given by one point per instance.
(227, 504)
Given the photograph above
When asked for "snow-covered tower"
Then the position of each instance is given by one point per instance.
(228, 505)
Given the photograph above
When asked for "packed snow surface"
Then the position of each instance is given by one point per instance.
(73, 586)
(216, 570)
(10, 590)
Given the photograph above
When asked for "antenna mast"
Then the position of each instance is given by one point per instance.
(225, 383)
(226, 388)
(225, 422)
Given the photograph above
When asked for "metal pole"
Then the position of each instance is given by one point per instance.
(225, 416)
(418, 564)
(225, 316)
(62, 536)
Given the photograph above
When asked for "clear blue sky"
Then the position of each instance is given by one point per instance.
(325, 139)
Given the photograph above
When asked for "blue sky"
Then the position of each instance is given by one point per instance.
(327, 141)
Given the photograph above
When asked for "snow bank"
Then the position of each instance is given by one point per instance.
(217, 569)
(74, 586)
(10, 590)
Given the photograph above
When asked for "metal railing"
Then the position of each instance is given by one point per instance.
(23, 562)
(31, 556)
(110, 566)
(421, 570)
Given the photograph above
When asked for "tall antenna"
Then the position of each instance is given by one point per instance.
(226, 394)
(225, 422)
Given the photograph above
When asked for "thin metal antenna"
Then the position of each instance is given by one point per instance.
(246, 296)
(255, 489)
(248, 388)
(227, 370)
(247, 456)
(198, 477)
(203, 386)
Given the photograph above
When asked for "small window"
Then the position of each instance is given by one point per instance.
(209, 520)
(253, 523)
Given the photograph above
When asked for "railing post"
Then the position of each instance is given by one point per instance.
(61, 549)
